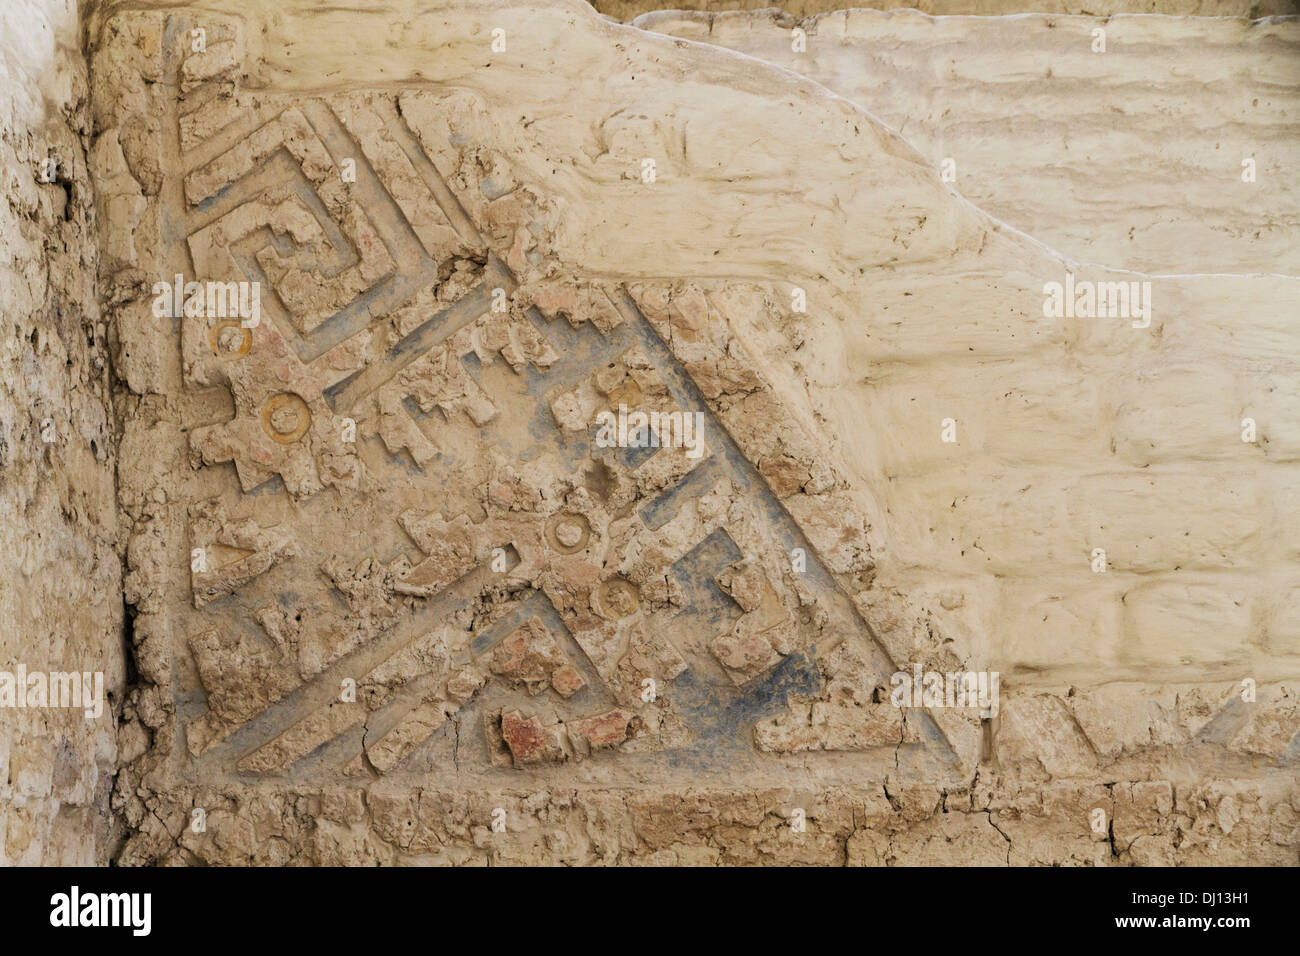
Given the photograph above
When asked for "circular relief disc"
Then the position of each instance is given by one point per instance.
(286, 417)
(568, 533)
(230, 339)
(618, 597)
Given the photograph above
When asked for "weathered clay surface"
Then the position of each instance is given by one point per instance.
(1129, 157)
(389, 591)
(392, 600)
(60, 575)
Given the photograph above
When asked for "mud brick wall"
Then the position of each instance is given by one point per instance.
(60, 575)
(393, 600)
(1114, 152)
(1052, 465)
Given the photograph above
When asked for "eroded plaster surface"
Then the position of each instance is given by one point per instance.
(393, 600)
(60, 570)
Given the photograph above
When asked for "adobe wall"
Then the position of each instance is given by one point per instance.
(394, 599)
(61, 598)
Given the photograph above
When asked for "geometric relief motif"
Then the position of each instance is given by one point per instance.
(427, 562)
